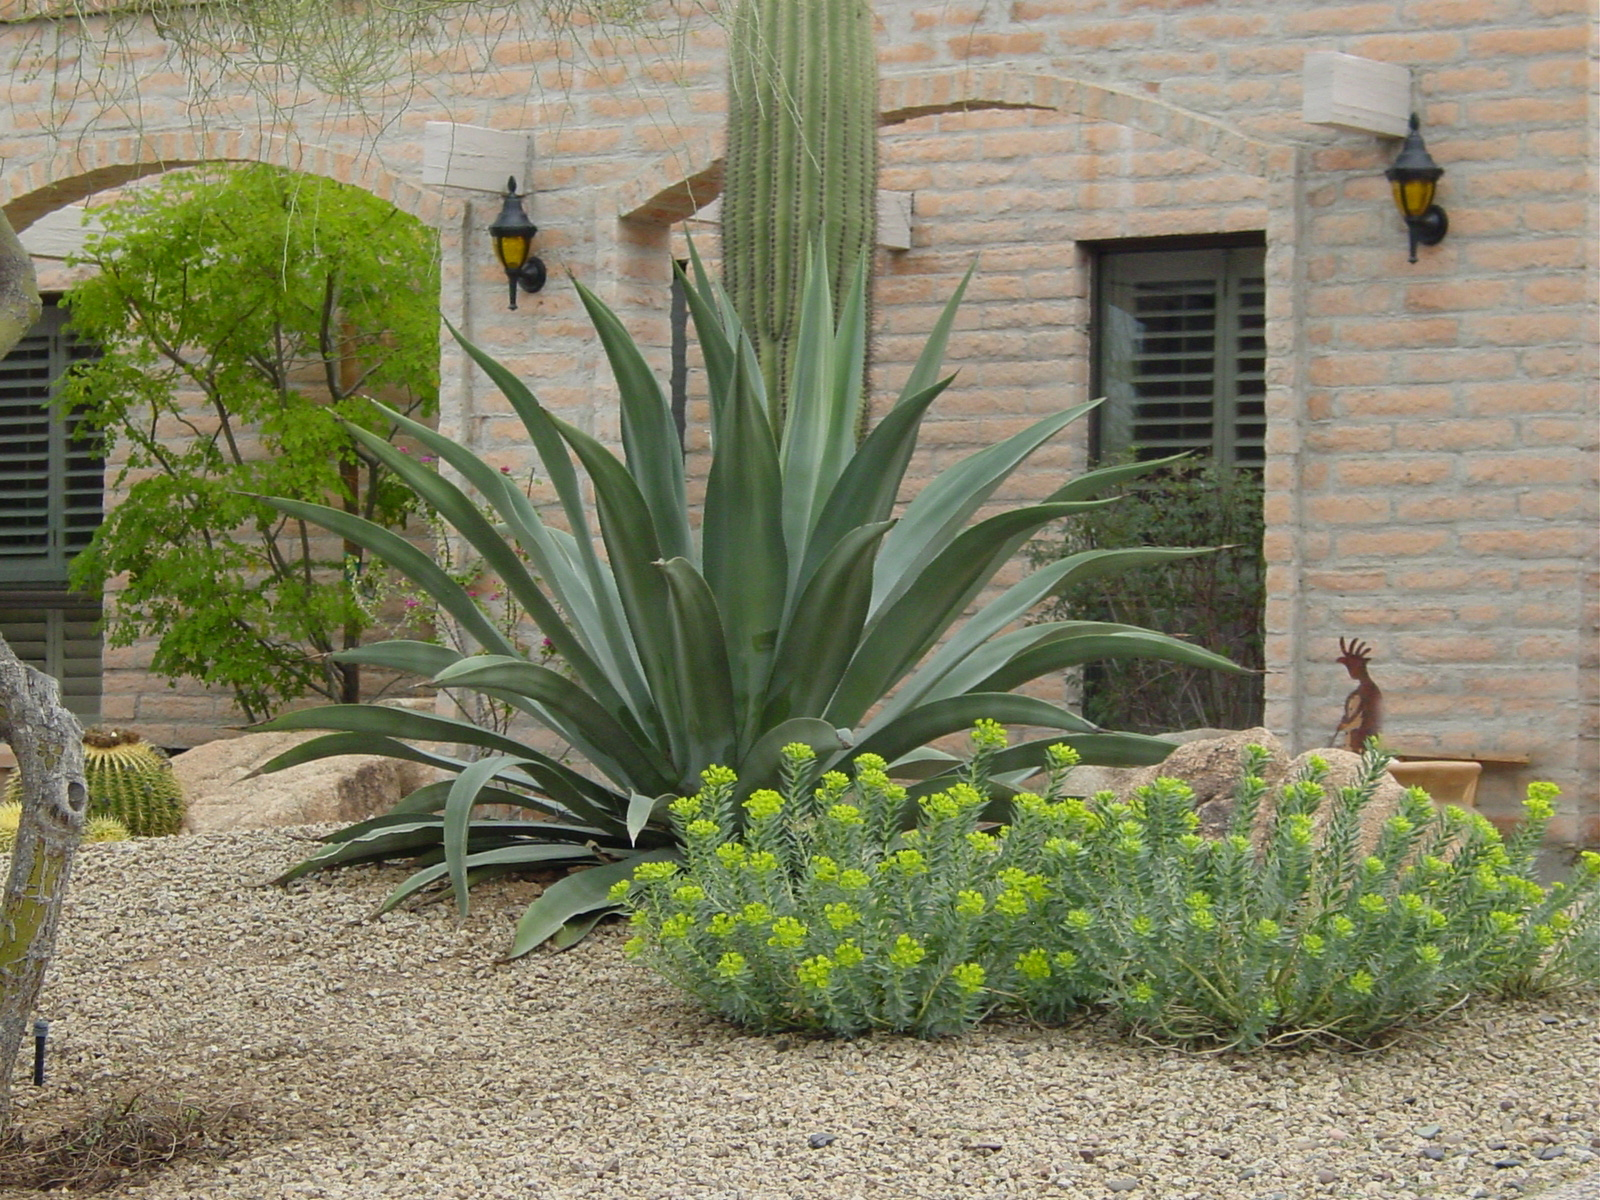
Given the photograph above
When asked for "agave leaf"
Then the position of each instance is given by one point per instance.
(962, 657)
(389, 722)
(463, 515)
(825, 628)
(926, 370)
(572, 576)
(642, 809)
(825, 397)
(605, 740)
(400, 654)
(716, 339)
(629, 534)
(458, 808)
(579, 893)
(649, 438)
(405, 558)
(365, 843)
(333, 744)
(942, 508)
(575, 930)
(1070, 650)
(743, 548)
(519, 855)
(1092, 483)
(908, 628)
(707, 690)
(866, 489)
(549, 438)
(761, 765)
(929, 722)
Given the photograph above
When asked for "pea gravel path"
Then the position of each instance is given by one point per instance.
(396, 1058)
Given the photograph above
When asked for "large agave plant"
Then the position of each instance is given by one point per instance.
(804, 611)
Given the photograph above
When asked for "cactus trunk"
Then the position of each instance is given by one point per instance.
(802, 162)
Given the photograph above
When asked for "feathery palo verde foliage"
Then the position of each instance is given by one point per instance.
(814, 909)
(801, 605)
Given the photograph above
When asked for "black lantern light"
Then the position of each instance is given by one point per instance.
(1414, 177)
(513, 244)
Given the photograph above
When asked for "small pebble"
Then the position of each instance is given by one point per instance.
(1509, 1161)
(1122, 1184)
(818, 1140)
(1550, 1152)
(1427, 1131)
(1326, 1176)
(1436, 1153)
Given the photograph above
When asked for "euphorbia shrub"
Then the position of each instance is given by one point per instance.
(825, 913)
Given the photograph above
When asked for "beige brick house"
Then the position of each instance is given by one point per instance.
(1429, 432)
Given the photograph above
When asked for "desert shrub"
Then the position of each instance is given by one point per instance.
(1215, 599)
(1278, 932)
(825, 913)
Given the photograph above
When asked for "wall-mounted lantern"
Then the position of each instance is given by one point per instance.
(1414, 177)
(513, 237)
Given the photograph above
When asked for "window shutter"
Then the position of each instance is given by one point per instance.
(1181, 353)
(52, 476)
(52, 472)
(59, 634)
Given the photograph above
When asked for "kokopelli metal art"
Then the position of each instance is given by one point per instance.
(1363, 708)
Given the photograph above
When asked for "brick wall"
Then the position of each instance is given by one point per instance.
(1432, 427)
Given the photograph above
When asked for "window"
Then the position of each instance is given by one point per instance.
(51, 480)
(1180, 352)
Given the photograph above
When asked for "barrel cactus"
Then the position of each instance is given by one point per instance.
(129, 780)
(95, 829)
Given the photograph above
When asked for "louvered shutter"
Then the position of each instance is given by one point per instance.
(59, 634)
(1181, 353)
(51, 482)
(52, 474)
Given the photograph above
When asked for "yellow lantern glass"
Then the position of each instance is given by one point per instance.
(1413, 196)
(512, 251)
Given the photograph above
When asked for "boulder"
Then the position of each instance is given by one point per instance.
(344, 788)
(1211, 767)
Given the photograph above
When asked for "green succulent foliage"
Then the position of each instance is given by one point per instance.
(271, 296)
(802, 604)
(131, 783)
(814, 909)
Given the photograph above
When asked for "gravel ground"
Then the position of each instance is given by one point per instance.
(396, 1058)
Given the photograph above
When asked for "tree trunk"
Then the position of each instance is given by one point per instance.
(48, 742)
(19, 289)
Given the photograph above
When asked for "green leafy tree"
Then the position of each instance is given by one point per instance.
(246, 315)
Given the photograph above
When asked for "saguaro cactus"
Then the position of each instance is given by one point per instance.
(802, 161)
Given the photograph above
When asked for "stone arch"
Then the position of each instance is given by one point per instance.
(678, 184)
(95, 164)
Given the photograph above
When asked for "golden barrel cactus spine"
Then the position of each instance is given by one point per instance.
(129, 780)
